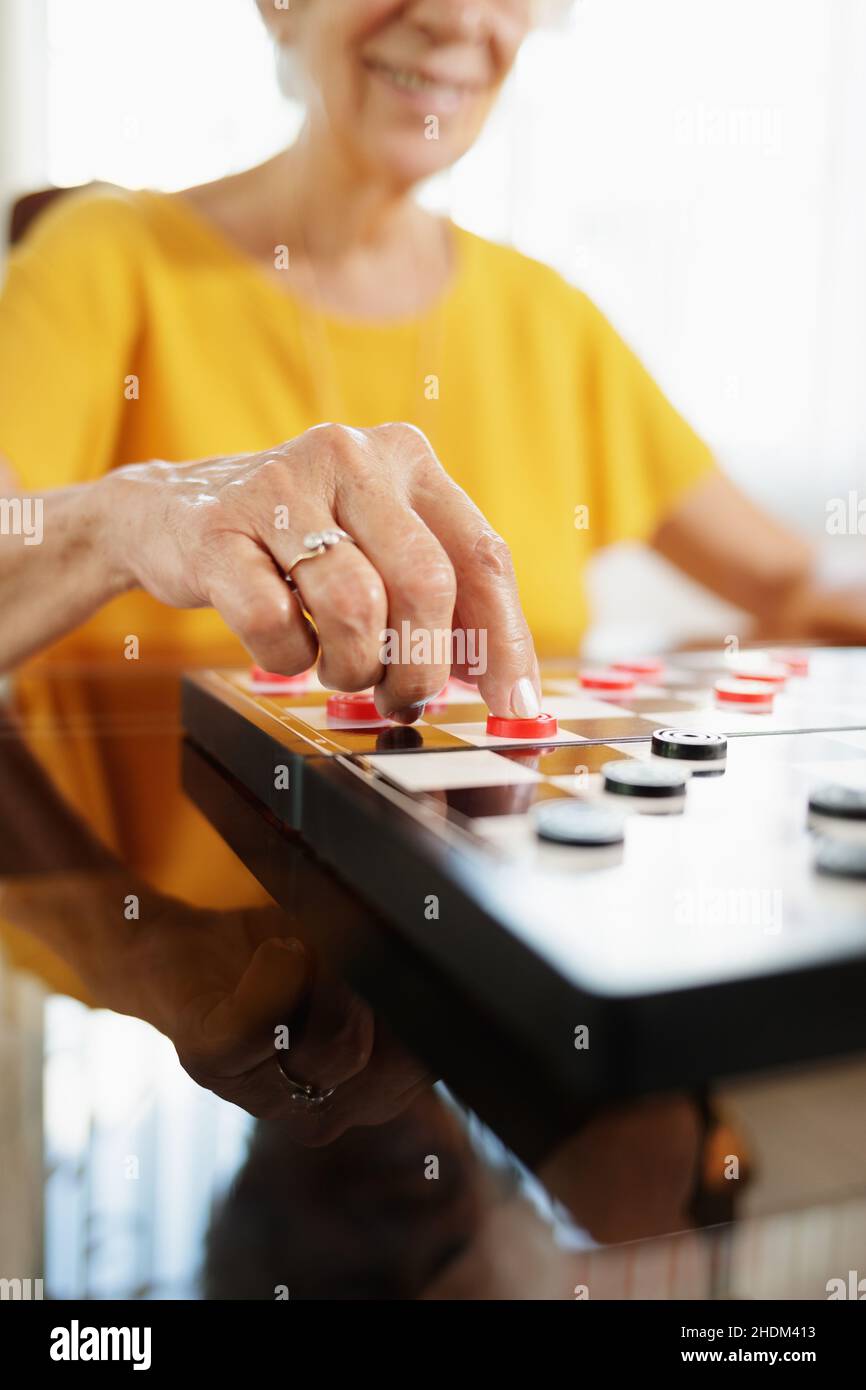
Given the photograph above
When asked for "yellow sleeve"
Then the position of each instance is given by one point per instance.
(69, 321)
(646, 455)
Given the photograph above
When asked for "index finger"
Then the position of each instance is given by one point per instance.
(488, 603)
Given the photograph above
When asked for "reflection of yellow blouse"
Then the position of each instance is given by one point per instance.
(130, 329)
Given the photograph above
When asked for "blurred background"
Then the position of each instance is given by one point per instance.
(697, 167)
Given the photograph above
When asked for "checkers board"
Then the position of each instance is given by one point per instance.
(722, 932)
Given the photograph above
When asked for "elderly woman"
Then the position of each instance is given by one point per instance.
(139, 331)
(168, 364)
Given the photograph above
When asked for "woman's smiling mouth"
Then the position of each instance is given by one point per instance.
(432, 94)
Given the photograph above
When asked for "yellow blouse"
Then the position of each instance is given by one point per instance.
(130, 329)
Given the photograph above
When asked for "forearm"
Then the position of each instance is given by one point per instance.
(82, 919)
(722, 539)
(60, 571)
(813, 609)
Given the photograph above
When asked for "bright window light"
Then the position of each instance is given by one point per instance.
(696, 165)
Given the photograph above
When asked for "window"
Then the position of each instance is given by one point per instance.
(696, 165)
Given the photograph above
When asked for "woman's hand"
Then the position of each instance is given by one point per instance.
(223, 532)
(246, 1006)
(239, 994)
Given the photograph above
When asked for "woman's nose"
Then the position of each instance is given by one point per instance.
(448, 20)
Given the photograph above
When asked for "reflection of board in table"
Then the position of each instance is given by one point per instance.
(705, 945)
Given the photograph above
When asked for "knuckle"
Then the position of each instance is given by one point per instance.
(412, 685)
(267, 472)
(404, 429)
(352, 1043)
(344, 445)
(264, 621)
(197, 1065)
(337, 1047)
(416, 443)
(332, 434)
(492, 555)
(431, 583)
(337, 673)
(358, 608)
(350, 676)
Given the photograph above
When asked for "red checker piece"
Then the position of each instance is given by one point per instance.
(544, 726)
(261, 677)
(771, 672)
(608, 679)
(797, 663)
(360, 706)
(649, 668)
(749, 695)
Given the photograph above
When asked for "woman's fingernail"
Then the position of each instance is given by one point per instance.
(524, 699)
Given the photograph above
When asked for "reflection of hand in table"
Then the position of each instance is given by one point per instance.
(218, 984)
(225, 988)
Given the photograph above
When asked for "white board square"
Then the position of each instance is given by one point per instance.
(422, 772)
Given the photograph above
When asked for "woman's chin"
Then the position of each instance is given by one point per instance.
(412, 159)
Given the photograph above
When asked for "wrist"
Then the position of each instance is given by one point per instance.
(113, 514)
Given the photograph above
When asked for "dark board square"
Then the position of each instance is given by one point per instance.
(392, 738)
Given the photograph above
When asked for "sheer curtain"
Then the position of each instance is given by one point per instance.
(23, 108)
(698, 166)
(695, 165)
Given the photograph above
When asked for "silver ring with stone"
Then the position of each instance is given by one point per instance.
(304, 1096)
(317, 543)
